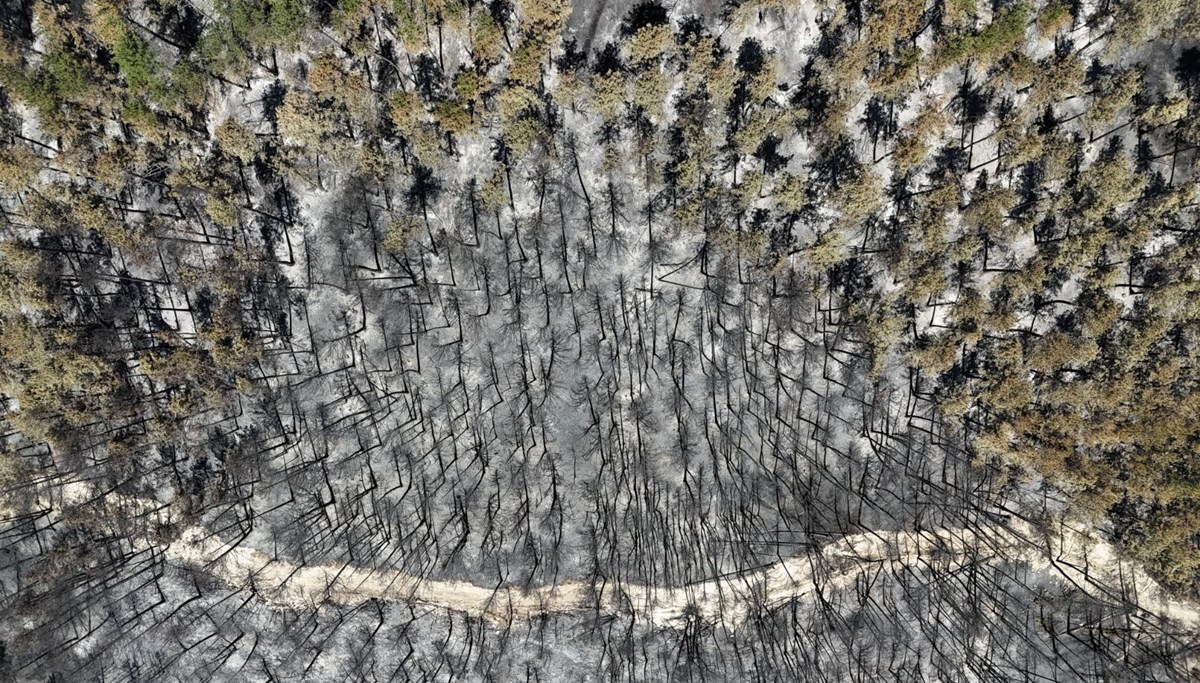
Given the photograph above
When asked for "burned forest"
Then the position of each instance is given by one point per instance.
(552, 340)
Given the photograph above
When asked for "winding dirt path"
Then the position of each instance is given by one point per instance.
(1090, 564)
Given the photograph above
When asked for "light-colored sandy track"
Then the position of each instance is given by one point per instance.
(1090, 564)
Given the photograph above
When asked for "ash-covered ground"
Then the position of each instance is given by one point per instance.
(497, 375)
